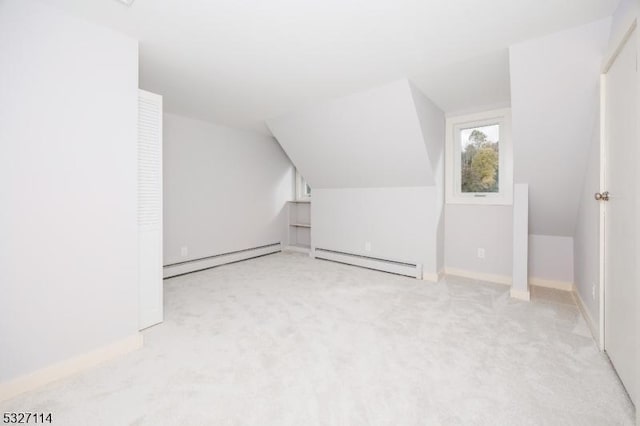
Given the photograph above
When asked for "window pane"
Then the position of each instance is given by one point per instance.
(479, 165)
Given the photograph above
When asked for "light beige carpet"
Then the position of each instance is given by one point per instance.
(288, 340)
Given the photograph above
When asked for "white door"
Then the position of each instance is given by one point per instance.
(150, 209)
(620, 302)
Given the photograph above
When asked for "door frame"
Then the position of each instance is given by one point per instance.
(604, 147)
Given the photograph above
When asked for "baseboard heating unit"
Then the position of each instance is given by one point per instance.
(195, 265)
(392, 266)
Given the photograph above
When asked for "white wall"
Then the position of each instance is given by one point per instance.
(370, 139)
(551, 258)
(398, 222)
(68, 232)
(554, 98)
(470, 227)
(224, 189)
(587, 234)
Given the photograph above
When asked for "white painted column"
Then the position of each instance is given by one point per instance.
(520, 283)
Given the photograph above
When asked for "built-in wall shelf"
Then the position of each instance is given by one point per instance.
(299, 229)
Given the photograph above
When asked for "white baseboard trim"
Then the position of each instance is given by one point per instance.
(433, 277)
(558, 285)
(498, 279)
(587, 316)
(69, 367)
(519, 294)
(506, 280)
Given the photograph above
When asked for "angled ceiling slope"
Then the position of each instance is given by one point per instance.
(554, 101)
(476, 84)
(365, 140)
(239, 62)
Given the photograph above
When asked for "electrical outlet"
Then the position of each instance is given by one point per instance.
(593, 292)
(184, 251)
(367, 246)
(480, 253)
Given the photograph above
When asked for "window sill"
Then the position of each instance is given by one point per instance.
(502, 200)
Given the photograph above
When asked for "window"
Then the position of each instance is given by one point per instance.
(480, 159)
(303, 190)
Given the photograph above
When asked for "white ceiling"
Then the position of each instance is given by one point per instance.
(238, 62)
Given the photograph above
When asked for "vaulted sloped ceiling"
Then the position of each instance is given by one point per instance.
(368, 139)
(239, 62)
(554, 100)
(475, 84)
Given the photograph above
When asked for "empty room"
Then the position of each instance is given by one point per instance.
(340, 212)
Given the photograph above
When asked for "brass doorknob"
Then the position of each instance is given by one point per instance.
(602, 196)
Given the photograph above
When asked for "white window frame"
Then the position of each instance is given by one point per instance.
(301, 194)
(454, 126)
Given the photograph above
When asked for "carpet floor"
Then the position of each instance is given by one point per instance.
(289, 340)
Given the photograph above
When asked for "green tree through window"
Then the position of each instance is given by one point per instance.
(480, 159)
